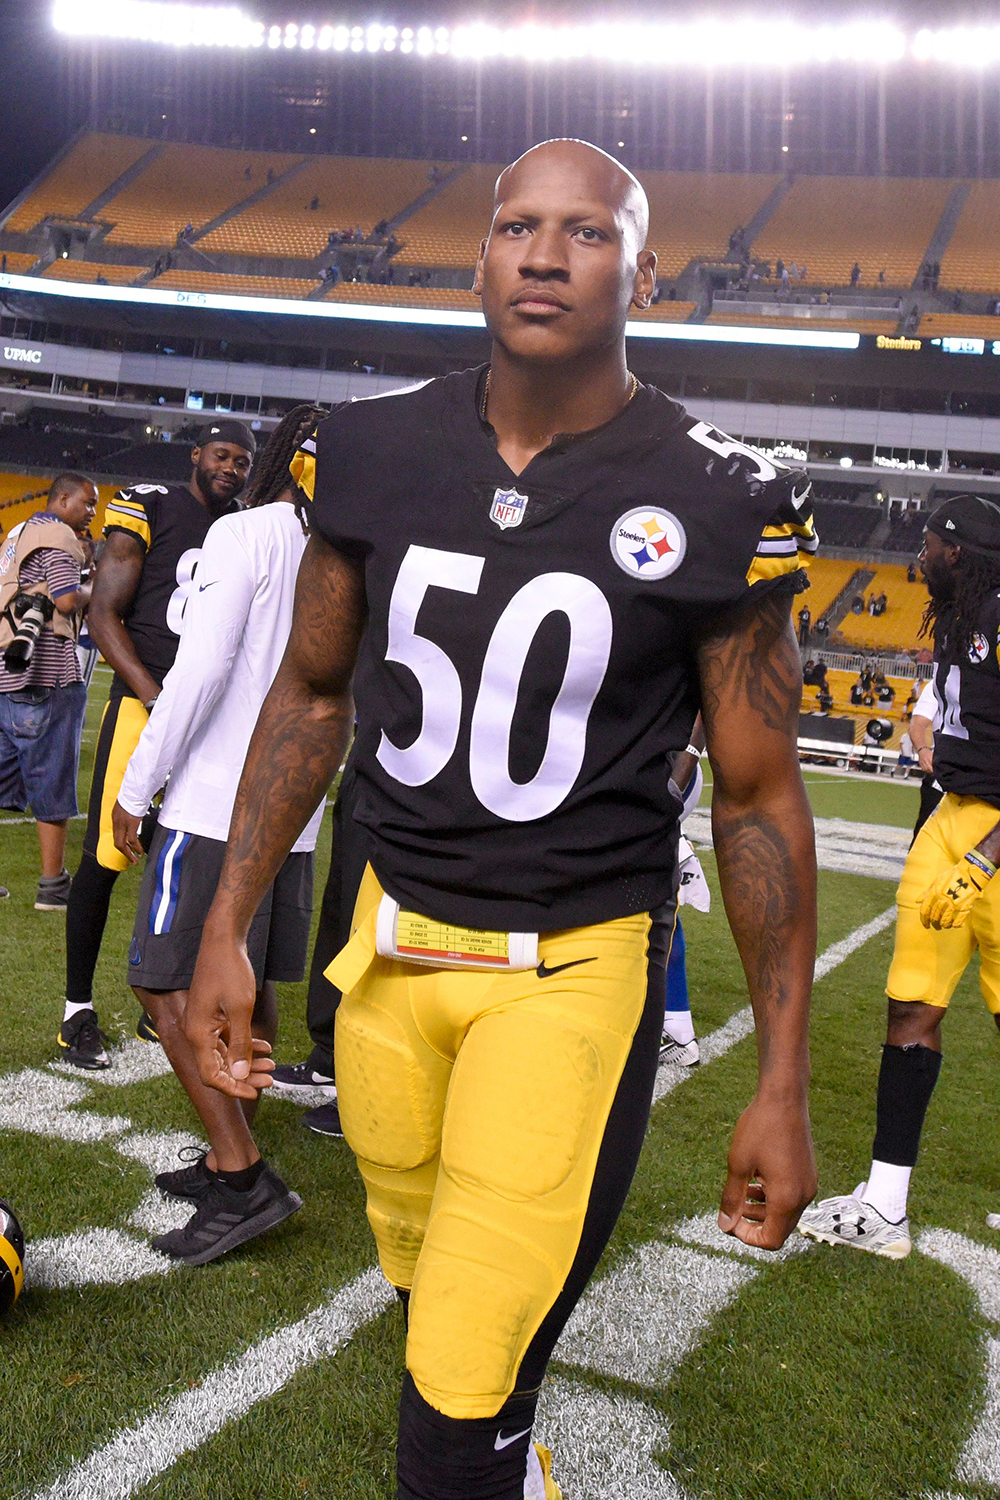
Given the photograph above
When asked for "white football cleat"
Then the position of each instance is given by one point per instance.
(849, 1220)
(687, 1054)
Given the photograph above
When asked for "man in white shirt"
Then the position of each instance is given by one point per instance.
(236, 625)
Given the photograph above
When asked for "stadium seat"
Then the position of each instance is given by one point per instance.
(972, 260)
(88, 270)
(960, 325)
(185, 185)
(665, 312)
(827, 576)
(353, 192)
(447, 231)
(840, 684)
(19, 262)
(80, 177)
(21, 495)
(783, 318)
(447, 297)
(692, 214)
(828, 223)
(899, 628)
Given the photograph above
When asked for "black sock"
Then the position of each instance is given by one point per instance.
(445, 1458)
(905, 1083)
(242, 1182)
(86, 919)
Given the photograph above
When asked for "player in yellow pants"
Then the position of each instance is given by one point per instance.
(447, 1080)
(949, 903)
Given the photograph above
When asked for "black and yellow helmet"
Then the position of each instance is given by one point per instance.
(11, 1257)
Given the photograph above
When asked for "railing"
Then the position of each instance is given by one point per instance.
(856, 757)
(889, 666)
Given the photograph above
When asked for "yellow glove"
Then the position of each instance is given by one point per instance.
(949, 900)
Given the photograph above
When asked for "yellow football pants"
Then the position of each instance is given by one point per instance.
(477, 1104)
(122, 723)
(926, 964)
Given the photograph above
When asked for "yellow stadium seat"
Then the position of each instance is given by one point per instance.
(225, 285)
(828, 223)
(899, 628)
(961, 325)
(353, 192)
(18, 262)
(21, 495)
(692, 214)
(972, 259)
(827, 576)
(448, 230)
(88, 270)
(92, 165)
(782, 319)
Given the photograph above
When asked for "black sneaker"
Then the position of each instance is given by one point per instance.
(82, 1041)
(191, 1182)
(53, 892)
(225, 1219)
(4, 893)
(145, 1028)
(295, 1076)
(324, 1120)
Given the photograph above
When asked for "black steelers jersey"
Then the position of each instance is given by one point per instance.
(967, 688)
(171, 525)
(528, 664)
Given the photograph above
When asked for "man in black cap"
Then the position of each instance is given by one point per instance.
(949, 904)
(154, 534)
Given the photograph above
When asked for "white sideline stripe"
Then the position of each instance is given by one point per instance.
(37, 1102)
(717, 1043)
(137, 1454)
(875, 850)
(704, 1230)
(979, 1267)
(15, 822)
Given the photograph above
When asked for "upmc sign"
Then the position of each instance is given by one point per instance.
(15, 355)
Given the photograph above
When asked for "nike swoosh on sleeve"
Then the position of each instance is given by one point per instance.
(502, 1442)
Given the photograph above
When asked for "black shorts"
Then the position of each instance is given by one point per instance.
(178, 885)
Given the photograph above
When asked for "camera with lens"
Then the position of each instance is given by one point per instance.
(32, 612)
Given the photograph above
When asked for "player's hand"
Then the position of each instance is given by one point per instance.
(217, 1020)
(772, 1173)
(925, 760)
(125, 829)
(949, 900)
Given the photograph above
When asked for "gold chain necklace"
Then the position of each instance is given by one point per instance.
(486, 391)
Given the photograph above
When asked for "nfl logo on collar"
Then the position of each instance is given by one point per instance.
(507, 508)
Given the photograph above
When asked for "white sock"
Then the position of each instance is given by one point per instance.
(72, 1010)
(534, 1479)
(886, 1190)
(680, 1025)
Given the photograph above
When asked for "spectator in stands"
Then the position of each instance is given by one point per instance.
(881, 277)
(313, 203)
(883, 603)
(3, 264)
(808, 679)
(381, 228)
(42, 707)
(855, 275)
(886, 693)
(100, 280)
(868, 699)
(779, 267)
(248, 173)
(857, 693)
(910, 703)
(866, 677)
(784, 279)
(823, 632)
(857, 605)
(805, 620)
(911, 572)
(824, 700)
(873, 604)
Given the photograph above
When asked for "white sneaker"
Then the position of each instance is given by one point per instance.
(851, 1221)
(993, 1221)
(687, 1054)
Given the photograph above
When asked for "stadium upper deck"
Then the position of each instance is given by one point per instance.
(126, 210)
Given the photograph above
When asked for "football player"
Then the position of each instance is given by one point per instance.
(543, 569)
(948, 905)
(235, 632)
(153, 541)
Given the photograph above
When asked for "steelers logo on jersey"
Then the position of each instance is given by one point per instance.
(649, 544)
(979, 647)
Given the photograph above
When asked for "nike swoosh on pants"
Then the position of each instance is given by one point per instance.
(544, 972)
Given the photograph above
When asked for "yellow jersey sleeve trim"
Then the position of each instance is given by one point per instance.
(118, 518)
(303, 469)
(763, 569)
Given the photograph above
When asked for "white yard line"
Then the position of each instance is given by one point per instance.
(137, 1454)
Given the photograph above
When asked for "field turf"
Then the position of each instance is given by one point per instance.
(832, 1374)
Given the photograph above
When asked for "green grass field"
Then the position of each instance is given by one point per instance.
(830, 1374)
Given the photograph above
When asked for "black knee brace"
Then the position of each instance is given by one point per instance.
(905, 1083)
(443, 1458)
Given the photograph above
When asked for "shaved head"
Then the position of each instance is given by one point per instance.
(592, 171)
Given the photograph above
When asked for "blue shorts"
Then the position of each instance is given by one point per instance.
(40, 733)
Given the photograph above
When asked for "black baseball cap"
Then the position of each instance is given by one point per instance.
(226, 430)
(969, 521)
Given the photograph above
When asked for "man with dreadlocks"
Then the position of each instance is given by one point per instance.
(948, 902)
(235, 630)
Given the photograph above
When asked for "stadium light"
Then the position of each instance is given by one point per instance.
(709, 43)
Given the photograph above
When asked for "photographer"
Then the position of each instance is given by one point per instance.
(42, 695)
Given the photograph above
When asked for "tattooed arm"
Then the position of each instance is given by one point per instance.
(751, 686)
(299, 742)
